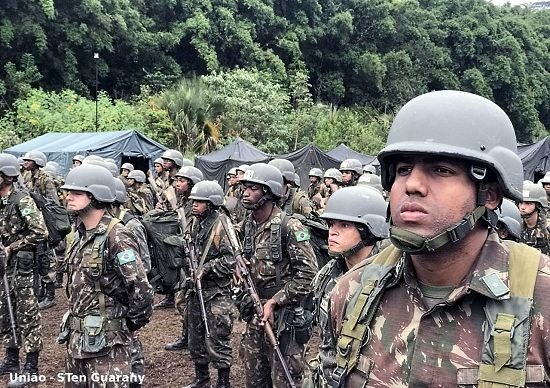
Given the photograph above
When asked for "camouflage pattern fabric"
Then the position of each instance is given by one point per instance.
(218, 268)
(138, 231)
(40, 182)
(296, 270)
(25, 309)
(539, 236)
(234, 204)
(137, 357)
(145, 192)
(114, 365)
(261, 366)
(295, 201)
(22, 227)
(123, 282)
(441, 347)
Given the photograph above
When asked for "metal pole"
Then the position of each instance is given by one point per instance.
(96, 57)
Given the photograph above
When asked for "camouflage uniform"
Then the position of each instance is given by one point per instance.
(295, 202)
(126, 298)
(412, 344)
(217, 270)
(22, 227)
(539, 236)
(233, 203)
(296, 271)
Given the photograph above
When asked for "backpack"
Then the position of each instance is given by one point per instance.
(166, 250)
(55, 216)
(318, 232)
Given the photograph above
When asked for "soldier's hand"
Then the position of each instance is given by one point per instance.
(269, 307)
(241, 267)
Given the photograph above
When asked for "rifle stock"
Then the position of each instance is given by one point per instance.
(250, 289)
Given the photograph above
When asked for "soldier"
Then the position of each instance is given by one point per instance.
(215, 267)
(333, 180)
(316, 190)
(293, 201)
(112, 167)
(234, 195)
(109, 295)
(357, 224)
(535, 228)
(22, 228)
(241, 170)
(77, 160)
(509, 221)
(141, 198)
(368, 169)
(124, 171)
(39, 182)
(282, 266)
(186, 178)
(449, 304)
(545, 182)
(232, 182)
(351, 170)
(172, 161)
(372, 181)
(140, 236)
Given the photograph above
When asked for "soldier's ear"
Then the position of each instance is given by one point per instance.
(494, 195)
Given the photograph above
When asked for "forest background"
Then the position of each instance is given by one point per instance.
(194, 74)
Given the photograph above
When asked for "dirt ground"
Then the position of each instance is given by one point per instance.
(162, 368)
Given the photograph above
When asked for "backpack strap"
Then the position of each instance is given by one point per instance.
(509, 323)
(355, 331)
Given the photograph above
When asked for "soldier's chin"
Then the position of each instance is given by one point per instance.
(248, 205)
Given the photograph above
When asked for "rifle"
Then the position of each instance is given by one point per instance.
(4, 258)
(250, 288)
(191, 258)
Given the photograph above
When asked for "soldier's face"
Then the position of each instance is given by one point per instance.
(342, 235)
(159, 168)
(329, 181)
(252, 194)
(77, 200)
(347, 176)
(430, 195)
(125, 172)
(182, 185)
(199, 207)
(546, 188)
(232, 180)
(77, 163)
(29, 165)
(527, 208)
(313, 179)
(131, 182)
(168, 164)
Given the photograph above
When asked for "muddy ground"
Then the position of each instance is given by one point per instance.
(162, 368)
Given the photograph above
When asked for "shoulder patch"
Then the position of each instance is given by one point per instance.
(26, 211)
(302, 235)
(125, 257)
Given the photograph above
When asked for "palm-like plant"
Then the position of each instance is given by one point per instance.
(196, 119)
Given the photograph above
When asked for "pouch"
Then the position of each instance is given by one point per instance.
(93, 334)
(64, 329)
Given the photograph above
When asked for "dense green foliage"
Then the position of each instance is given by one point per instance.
(305, 58)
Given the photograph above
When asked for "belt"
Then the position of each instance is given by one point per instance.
(77, 324)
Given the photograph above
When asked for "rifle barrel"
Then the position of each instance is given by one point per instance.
(10, 308)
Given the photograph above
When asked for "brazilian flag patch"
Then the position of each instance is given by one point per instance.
(125, 257)
(302, 235)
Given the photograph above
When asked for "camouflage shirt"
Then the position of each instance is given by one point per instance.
(22, 226)
(295, 201)
(122, 280)
(219, 262)
(412, 345)
(539, 236)
(40, 182)
(289, 281)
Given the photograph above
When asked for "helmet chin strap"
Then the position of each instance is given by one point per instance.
(350, 252)
(413, 243)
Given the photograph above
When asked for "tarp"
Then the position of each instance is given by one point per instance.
(118, 145)
(535, 159)
(216, 164)
(343, 152)
(307, 158)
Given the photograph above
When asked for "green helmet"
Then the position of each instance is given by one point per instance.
(175, 156)
(334, 174)
(265, 175)
(95, 160)
(243, 167)
(533, 192)
(351, 165)
(111, 167)
(191, 173)
(459, 125)
(54, 164)
(316, 172)
(546, 178)
(510, 216)
(121, 195)
(232, 171)
(92, 179)
(157, 161)
(39, 158)
(78, 157)
(359, 204)
(186, 162)
(127, 166)
(367, 168)
(50, 170)
(370, 180)
(110, 160)
(297, 180)
(9, 165)
(286, 167)
(137, 175)
(208, 191)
